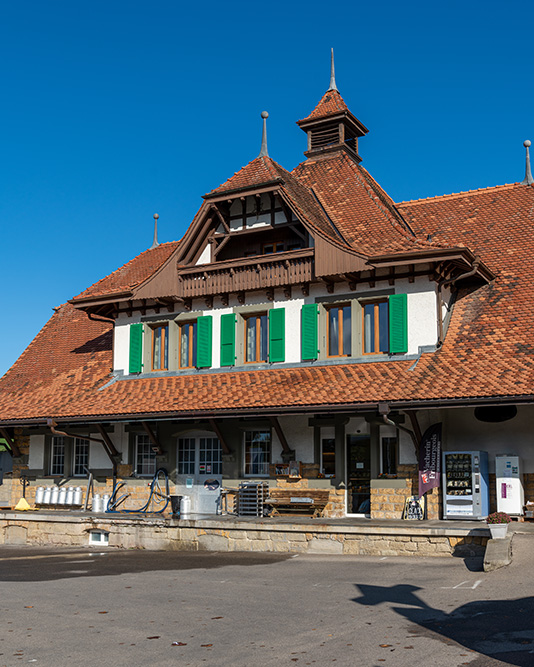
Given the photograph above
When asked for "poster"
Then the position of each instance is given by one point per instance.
(430, 459)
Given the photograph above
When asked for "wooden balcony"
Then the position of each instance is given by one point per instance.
(250, 273)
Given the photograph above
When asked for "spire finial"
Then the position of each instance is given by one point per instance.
(332, 73)
(155, 243)
(264, 152)
(528, 174)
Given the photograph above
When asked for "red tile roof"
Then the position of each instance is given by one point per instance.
(132, 273)
(330, 104)
(260, 171)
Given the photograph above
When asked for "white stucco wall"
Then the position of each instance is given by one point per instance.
(299, 437)
(461, 431)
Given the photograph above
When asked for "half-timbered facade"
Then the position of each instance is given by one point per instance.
(303, 318)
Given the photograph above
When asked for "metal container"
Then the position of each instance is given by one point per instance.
(77, 496)
(39, 495)
(62, 496)
(185, 507)
(46, 495)
(105, 501)
(70, 495)
(97, 503)
(54, 495)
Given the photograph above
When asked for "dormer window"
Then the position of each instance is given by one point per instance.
(160, 347)
(188, 344)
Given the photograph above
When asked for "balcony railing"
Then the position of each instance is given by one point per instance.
(250, 273)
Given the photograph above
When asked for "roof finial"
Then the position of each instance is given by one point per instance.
(264, 152)
(528, 174)
(332, 73)
(155, 243)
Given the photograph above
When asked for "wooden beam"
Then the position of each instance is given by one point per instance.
(221, 245)
(14, 450)
(276, 425)
(220, 217)
(113, 452)
(217, 431)
(156, 447)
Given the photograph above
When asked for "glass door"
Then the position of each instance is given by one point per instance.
(358, 474)
(199, 468)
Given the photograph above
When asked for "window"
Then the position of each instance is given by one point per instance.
(338, 330)
(57, 456)
(160, 347)
(188, 345)
(186, 456)
(145, 458)
(257, 453)
(375, 327)
(81, 457)
(277, 246)
(256, 338)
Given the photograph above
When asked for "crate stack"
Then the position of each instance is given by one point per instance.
(251, 497)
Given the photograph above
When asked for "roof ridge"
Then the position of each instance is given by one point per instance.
(462, 193)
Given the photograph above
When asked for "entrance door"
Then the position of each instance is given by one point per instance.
(199, 467)
(358, 474)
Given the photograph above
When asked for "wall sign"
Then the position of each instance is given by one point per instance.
(414, 508)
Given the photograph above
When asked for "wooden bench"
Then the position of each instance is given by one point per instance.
(298, 501)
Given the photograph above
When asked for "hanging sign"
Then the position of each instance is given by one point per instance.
(430, 459)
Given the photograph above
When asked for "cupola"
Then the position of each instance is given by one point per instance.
(331, 127)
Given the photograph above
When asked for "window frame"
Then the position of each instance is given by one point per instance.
(192, 343)
(376, 323)
(259, 334)
(86, 444)
(340, 307)
(152, 457)
(164, 351)
(250, 466)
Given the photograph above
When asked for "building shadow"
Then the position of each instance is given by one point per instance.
(101, 343)
(499, 629)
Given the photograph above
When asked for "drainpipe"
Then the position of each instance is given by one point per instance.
(383, 411)
(113, 455)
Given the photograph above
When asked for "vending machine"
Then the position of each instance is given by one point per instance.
(510, 494)
(465, 485)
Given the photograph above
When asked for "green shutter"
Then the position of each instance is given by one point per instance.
(309, 319)
(136, 348)
(398, 323)
(277, 338)
(228, 339)
(204, 341)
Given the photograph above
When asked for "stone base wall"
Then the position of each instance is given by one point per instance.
(388, 503)
(170, 534)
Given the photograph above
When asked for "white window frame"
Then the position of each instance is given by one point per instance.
(264, 464)
(142, 440)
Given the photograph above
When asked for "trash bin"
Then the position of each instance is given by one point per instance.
(175, 505)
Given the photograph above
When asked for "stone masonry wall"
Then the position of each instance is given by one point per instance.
(388, 503)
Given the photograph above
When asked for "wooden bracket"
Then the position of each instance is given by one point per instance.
(13, 447)
(156, 447)
(217, 431)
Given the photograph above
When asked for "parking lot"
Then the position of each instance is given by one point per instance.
(85, 607)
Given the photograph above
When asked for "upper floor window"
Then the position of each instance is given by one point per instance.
(188, 344)
(376, 327)
(256, 333)
(160, 347)
(339, 330)
(277, 246)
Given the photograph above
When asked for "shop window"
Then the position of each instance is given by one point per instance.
(389, 456)
(145, 458)
(81, 457)
(186, 456)
(256, 338)
(57, 456)
(257, 452)
(328, 457)
(160, 347)
(338, 330)
(188, 344)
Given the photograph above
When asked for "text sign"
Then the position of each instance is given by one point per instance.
(430, 459)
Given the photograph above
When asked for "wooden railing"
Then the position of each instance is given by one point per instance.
(239, 275)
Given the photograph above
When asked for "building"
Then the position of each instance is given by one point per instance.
(304, 324)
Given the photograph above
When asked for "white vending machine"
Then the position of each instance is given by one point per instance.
(509, 481)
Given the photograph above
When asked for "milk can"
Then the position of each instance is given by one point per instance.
(77, 496)
(62, 496)
(105, 501)
(39, 495)
(97, 503)
(70, 495)
(185, 507)
(46, 495)
(54, 495)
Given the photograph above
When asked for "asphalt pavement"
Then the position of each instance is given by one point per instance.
(65, 607)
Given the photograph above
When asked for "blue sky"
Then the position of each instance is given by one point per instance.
(112, 111)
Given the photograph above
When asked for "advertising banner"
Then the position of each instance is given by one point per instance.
(430, 459)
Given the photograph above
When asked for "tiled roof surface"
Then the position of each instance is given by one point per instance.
(488, 351)
(331, 103)
(359, 208)
(131, 274)
(259, 171)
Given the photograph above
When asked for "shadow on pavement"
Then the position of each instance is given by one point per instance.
(500, 629)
